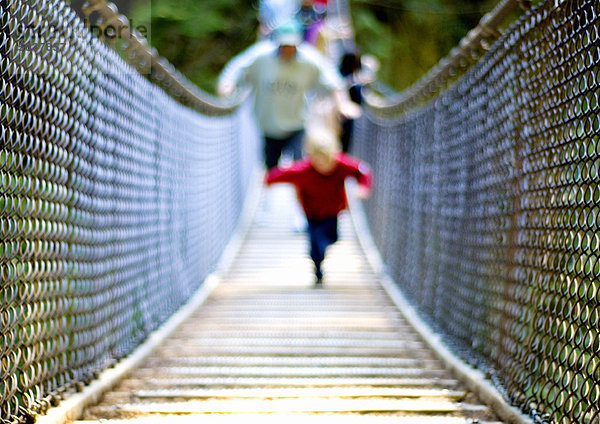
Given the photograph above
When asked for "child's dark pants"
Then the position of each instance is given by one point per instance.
(322, 233)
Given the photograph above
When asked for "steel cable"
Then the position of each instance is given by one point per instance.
(115, 203)
(487, 210)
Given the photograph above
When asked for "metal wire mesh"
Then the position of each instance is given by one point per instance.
(487, 210)
(115, 203)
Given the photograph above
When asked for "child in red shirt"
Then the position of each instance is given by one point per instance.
(319, 181)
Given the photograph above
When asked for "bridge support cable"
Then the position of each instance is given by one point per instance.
(487, 206)
(116, 202)
(147, 61)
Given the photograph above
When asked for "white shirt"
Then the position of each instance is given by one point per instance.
(281, 86)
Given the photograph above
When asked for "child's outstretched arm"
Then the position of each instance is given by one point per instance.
(279, 175)
(364, 177)
(363, 192)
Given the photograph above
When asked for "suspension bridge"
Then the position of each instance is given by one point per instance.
(141, 282)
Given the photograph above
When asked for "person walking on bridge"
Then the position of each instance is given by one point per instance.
(319, 180)
(282, 71)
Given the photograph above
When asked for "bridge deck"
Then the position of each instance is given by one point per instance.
(266, 345)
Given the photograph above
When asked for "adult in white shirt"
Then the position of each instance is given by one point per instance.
(282, 71)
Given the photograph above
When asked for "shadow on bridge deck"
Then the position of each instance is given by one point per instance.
(268, 346)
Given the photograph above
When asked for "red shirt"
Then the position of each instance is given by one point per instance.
(322, 196)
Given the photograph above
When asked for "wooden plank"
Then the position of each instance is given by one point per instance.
(340, 392)
(298, 405)
(297, 361)
(289, 418)
(296, 382)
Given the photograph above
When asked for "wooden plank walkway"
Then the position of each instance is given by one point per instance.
(268, 346)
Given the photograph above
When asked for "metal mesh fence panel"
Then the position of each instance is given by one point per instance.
(487, 210)
(115, 203)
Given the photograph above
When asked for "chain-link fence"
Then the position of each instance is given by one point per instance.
(487, 210)
(115, 203)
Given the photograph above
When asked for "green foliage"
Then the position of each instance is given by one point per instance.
(198, 36)
(408, 36)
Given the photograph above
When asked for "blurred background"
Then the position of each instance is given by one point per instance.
(407, 36)
(123, 5)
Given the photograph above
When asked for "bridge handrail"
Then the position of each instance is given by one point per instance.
(146, 59)
(116, 200)
(486, 210)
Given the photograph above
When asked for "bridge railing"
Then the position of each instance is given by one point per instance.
(116, 202)
(487, 210)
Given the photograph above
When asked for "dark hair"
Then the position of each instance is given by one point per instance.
(350, 63)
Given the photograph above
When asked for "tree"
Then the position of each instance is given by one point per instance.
(408, 36)
(199, 37)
